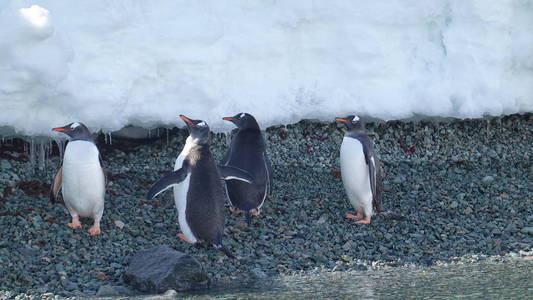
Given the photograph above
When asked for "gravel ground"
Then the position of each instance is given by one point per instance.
(464, 186)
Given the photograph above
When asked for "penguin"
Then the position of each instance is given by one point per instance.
(247, 151)
(80, 177)
(197, 185)
(361, 171)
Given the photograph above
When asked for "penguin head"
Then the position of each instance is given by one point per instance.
(198, 129)
(243, 121)
(76, 131)
(352, 122)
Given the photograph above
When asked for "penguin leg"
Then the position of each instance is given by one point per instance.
(234, 210)
(182, 236)
(256, 212)
(95, 229)
(350, 216)
(75, 222)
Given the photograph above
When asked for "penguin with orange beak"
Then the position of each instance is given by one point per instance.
(247, 151)
(197, 185)
(361, 171)
(80, 177)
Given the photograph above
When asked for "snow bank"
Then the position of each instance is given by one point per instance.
(112, 63)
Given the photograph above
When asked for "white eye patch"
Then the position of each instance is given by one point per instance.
(356, 118)
(202, 124)
(74, 125)
(242, 116)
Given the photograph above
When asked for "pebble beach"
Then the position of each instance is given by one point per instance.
(463, 186)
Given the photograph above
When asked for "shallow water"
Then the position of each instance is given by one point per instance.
(483, 280)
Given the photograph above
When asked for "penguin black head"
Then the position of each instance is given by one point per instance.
(352, 122)
(243, 121)
(76, 130)
(198, 129)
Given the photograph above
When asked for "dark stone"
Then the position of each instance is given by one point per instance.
(161, 268)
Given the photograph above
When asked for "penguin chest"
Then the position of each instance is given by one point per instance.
(180, 197)
(83, 179)
(354, 171)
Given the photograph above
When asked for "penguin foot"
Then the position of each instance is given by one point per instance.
(366, 220)
(234, 210)
(75, 223)
(256, 212)
(182, 236)
(94, 230)
(350, 216)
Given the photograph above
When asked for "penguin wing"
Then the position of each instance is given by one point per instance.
(56, 185)
(169, 181)
(377, 199)
(230, 172)
(371, 163)
(269, 170)
(102, 167)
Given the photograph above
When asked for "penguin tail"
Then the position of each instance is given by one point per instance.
(224, 249)
(392, 215)
(248, 216)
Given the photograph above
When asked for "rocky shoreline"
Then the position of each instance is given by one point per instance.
(463, 185)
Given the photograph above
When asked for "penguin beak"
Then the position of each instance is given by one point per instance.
(229, 119)
(187, 120)
(341, 120)
(59, 129)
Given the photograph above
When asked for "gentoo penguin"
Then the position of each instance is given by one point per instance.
(247, 151)
(198, 190)
(80, 177)
(360, 170)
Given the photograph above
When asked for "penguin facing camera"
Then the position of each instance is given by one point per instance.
(80, 178)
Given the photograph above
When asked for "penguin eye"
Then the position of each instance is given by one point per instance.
(202, 124)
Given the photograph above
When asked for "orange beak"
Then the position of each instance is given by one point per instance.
(341, 120)
(186, 120)
(229, 119)
(59, 129)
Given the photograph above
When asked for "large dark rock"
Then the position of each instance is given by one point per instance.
(161, 268)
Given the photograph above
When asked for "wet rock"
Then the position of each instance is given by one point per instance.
(161, 268)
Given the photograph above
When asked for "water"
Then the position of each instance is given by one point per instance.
(486, 280)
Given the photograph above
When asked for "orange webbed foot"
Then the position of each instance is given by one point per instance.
(350, 216)
(94, 230)
(75, 223)
(366, 220)
(234, 210)
(182, 236)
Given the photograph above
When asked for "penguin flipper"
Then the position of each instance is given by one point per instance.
(269, 170)
(102, 167)
(168, 181)
(56, 185)
(230, 172)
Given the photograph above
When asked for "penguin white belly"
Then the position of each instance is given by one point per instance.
(83, 179)
(180, 195)
(355, 176)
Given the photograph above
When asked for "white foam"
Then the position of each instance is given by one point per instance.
(113, 63)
